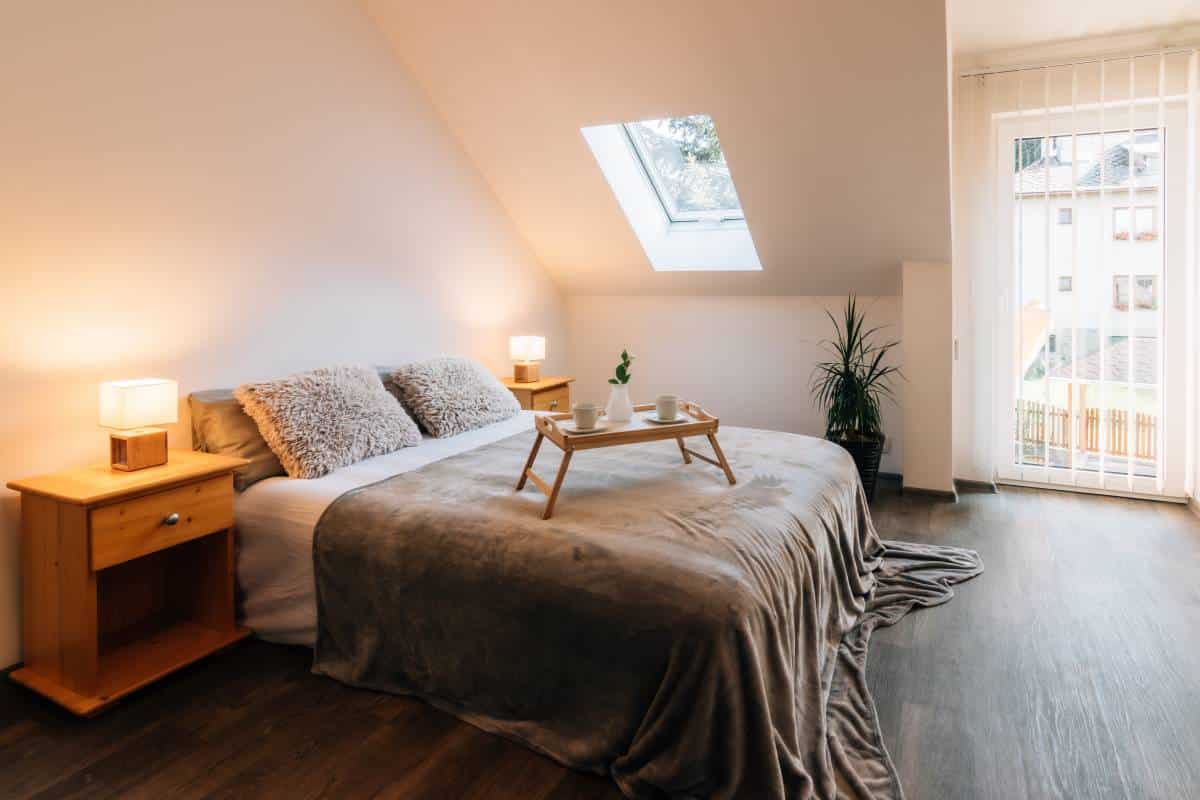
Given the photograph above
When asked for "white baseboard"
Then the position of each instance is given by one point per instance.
(1194, 506)
(1064, 487)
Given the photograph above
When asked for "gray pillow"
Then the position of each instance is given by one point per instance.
(316, 422)
(452, 395)
(219, 425)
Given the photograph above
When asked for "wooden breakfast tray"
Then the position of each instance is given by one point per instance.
(636, 430)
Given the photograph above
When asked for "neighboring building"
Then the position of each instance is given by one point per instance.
(1110, 290)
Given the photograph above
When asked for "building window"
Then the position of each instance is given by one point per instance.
(1064, 283)
(1146, 292)
(1146, 298)
(1066, 216)
(1145, 223)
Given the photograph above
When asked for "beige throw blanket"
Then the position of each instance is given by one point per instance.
(685, 637)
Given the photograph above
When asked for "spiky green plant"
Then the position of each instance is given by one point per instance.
(622, 372)
(849, 386)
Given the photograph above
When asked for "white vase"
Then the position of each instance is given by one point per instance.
(619, 409)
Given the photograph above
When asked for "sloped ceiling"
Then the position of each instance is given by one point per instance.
(833, 117)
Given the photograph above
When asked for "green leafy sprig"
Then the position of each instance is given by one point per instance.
(622, 373)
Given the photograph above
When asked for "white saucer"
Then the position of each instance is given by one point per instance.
(652, 417)
(570, 427)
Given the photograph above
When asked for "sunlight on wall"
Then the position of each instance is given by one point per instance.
(281, 200)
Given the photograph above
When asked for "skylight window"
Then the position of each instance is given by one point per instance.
(682, 156)
(674, 185)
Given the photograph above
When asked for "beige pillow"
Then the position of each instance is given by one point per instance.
(452, 395)
(316, 422)
(219, 425)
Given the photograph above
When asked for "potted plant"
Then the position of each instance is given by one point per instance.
(849, 388)
(619, 408)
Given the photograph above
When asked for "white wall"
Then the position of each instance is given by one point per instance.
(928, 344)
(747, 359)
(222, 191)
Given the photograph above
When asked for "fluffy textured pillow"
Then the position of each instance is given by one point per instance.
(452, 395)
(318, 421)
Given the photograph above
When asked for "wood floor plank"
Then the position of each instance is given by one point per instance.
(1066, 669)
(1069, 669)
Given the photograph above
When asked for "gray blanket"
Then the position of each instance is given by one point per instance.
(685, 637)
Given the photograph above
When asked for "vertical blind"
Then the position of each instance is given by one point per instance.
(1075, 214)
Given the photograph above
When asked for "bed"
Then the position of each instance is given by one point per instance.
(685, 637)
(276, 518)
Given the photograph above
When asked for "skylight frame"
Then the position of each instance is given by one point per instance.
(673, 215)
(693, 246)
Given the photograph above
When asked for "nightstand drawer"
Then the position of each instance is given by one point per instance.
(553, 400)
(124, 531)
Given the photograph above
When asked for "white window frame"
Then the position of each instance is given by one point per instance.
(670, 246)
(719, 217)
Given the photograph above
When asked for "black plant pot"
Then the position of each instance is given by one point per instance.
(866, 450)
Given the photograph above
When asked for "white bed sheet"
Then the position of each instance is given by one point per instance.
(276, 518)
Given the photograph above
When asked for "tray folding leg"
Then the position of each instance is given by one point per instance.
(551, 491)
(719, 461)
(724, 465)
(558, 482)
(537, 445)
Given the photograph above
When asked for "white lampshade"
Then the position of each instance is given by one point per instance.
(138, 403)
(527, 348)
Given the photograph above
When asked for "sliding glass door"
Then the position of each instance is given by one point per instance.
(1089, 167)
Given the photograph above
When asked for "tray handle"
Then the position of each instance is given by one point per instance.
(546, 424)
(696, 410)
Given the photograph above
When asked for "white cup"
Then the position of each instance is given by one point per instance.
(586, 415)
(668, 406)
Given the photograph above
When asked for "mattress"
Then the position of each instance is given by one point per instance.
(276, 518)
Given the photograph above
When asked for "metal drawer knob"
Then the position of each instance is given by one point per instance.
(171, 519)
(553, 404)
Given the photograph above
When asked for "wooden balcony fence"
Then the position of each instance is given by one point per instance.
(1039, 422)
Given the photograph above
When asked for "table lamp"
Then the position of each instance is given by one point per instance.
(128, 407)
(526, 352)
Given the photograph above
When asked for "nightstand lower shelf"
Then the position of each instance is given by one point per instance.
(127, 666)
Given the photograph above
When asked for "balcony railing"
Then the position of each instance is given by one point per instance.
(1110, 429)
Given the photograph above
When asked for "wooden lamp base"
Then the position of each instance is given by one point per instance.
(137, 449)
(526, 372)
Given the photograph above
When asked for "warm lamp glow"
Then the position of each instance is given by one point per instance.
(138, 403)
(527, 348)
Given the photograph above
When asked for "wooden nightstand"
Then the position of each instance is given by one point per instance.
(125, 576)
(548, 394)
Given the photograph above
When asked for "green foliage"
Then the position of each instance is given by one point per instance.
(848, 387)
(622, 372)
(1026, 152)
(696, 137)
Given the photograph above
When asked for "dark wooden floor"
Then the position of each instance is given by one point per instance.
(1070, 669)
